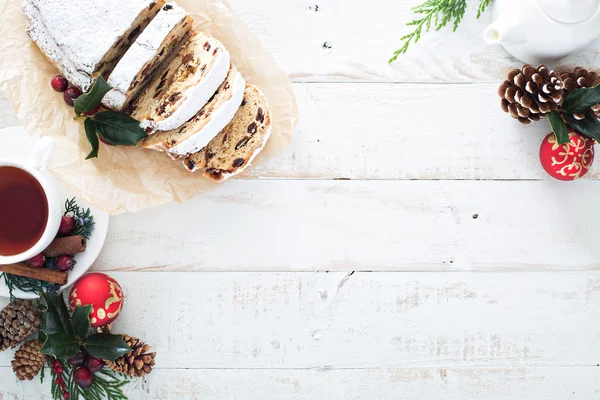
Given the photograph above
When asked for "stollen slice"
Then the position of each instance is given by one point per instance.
(92, 35)
(184, 85)
(234, 148)
(196, 133)
(154, 45)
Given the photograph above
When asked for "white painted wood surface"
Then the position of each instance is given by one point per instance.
(485, 281)
(505, 335)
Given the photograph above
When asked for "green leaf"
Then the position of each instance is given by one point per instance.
(559, 127)
(55, 315)
(589, 126)
(92, 137)
(118, 129)
(81, 321)
(580, 100)
(106, 346)
(60, 345)
(92, 99)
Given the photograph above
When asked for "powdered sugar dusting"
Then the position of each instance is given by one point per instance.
(145, 49)
(38, 33)
(88, 29)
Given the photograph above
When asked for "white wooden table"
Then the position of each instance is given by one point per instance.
(407, 245)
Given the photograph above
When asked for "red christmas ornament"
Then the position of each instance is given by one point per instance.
(100, 291)
(568, 161)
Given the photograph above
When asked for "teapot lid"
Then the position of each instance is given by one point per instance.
(569, 11)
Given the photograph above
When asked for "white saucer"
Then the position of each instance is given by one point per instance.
(15, 144)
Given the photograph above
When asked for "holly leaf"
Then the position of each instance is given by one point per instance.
(118, 129)
(55, 316)
(92, 99)
(81, 321)
(106, 346)
(92, 137)
(60, 345)
(580, 100)
(589, 126)
(559, 127)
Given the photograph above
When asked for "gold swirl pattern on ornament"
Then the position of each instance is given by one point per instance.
(579, 162)
(115, 298)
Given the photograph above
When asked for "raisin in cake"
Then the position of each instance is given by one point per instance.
(170, 26)
(184, 85)
(93, 35)
(234, 148)
(204, 126)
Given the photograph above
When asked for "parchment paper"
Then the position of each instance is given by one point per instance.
(128, 178)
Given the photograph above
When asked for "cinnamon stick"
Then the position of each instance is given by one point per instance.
(41, 274)
(66, 246)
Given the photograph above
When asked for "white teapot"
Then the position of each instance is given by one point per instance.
(537, 31)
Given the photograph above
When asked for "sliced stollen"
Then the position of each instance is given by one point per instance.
(155, 44)
(93, 35)
(37, 31)
(184, 85)
(234, 148)
(202, 128)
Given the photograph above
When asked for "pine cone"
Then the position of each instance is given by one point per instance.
(28, 360)
(530, 93)
(18, 320)
(135, 363)
(581, 78)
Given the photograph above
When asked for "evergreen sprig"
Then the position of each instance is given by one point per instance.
(28, 285)
(436, 13)
(84, 220)
(107, 385)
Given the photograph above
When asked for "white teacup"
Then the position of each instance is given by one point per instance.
(37, 166)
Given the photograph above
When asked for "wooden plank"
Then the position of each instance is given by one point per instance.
(407, 131)
(331, 40)
(364, 225)
(387, 384)
(363, 320)
(401, 131)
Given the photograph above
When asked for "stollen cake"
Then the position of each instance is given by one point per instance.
(164, 34)
(37, 31)
(93, 35)
(234, 148)
(185, 85)
(196, 133)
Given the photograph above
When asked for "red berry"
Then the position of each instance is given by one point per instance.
(71, 94)
(77, 360)
(64, 263)
(67, 224)
(59, 83)
(66, 394)
(83, 377)
(92, 112)
(95, 364)
(104, 141)
(36, 261)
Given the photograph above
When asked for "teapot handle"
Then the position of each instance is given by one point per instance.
(42, 153)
